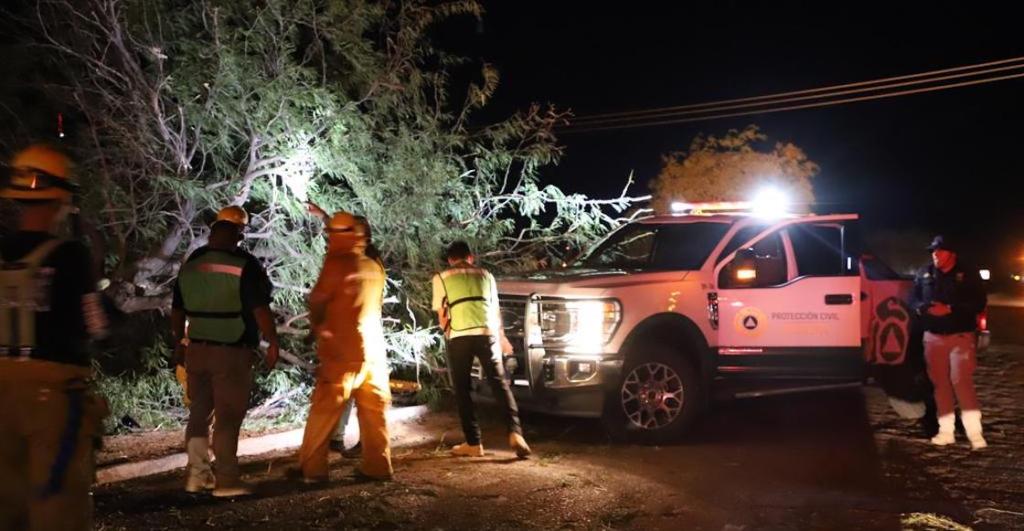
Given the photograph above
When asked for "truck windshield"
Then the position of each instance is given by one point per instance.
(645, 246)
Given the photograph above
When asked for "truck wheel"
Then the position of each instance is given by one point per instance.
(658, 397)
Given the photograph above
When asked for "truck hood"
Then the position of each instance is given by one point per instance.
(578, 281)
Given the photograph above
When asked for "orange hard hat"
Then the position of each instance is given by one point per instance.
(233, 214)
(342, 222)
(39, 172)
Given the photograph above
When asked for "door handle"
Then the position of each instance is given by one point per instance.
(836, 299)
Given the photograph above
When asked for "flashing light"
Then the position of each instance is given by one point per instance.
(679, 207)
(985, 274)
(711, 207)
(770, 202)
(1016, 278)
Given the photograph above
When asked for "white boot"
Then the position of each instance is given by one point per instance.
(200, 476)
(945, 435)
(972, 425)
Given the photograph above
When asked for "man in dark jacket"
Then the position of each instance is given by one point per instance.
(949, 296)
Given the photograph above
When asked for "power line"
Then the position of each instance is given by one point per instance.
(583, 128)
(830, 88)
(588, 122)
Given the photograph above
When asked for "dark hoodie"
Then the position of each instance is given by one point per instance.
(961, 288)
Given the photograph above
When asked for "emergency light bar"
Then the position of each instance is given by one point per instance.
(714, 207)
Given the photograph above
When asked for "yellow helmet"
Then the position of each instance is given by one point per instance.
(343, 222)
(39, 172)
(233, 214)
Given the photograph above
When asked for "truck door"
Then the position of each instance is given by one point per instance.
(789, 303)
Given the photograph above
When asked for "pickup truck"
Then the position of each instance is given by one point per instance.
(671, 312)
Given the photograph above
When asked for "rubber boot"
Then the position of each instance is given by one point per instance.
(971, 420)
(946, 435)
(200, 476)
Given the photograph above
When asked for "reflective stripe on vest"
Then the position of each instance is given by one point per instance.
(23, 293)
(211, 292)
(467, 290)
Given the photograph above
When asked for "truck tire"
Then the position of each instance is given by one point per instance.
(657, 399)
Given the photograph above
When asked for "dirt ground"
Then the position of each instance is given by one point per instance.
(839, 460)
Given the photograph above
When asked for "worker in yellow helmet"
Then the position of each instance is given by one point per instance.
(49, 310)
(225, 295)
(238, 216)
(345, 315)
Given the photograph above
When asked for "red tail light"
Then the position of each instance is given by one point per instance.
(983, 321)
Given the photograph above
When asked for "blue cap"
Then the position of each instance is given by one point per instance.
(941, 242)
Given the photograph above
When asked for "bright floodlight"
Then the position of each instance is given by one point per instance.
(770, 203)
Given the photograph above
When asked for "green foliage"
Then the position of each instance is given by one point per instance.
(732, 168)
(188, 106)
(151, 397)
(281, 398)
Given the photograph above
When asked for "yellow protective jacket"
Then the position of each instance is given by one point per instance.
(345, 308)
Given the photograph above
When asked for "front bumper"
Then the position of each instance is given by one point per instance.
(566, 384)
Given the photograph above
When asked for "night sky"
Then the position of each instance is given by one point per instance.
(948, 161)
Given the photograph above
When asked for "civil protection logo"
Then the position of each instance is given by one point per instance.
(750, 321)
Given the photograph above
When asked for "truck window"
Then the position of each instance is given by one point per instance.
(742, 236)
(642, 246)
(629, 248)
(819, 250)
(685, 247)
(770, 259)
(876, 269)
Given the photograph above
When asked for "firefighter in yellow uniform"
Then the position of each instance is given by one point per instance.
(345, 315)
(49, 310)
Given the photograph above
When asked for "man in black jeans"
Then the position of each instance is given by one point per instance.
(466, 301)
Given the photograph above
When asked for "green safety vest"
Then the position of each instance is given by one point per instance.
(467, 290)
(22, 294)
(211, 292)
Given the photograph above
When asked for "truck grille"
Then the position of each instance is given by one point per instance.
(513, 317)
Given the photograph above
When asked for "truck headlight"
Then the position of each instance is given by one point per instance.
(582, 326)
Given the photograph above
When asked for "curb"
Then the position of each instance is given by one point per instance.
(263, 444)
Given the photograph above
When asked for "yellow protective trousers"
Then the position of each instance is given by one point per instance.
(367, 384)
(48, 424)
(181, 375)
